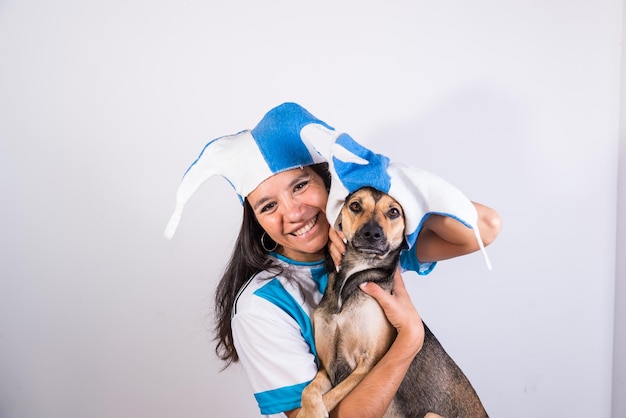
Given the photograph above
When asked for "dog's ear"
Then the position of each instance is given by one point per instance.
(405, 244)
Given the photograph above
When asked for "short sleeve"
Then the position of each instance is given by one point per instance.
(276, 357)
(409, 262)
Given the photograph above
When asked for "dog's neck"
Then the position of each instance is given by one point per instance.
(356, 270)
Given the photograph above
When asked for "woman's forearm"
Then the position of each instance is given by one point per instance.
(443, 237)
(374, 394)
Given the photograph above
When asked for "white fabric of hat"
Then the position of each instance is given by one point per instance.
(419, 192)
(281, 141)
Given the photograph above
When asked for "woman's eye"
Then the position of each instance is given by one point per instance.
(301, 185)
(268, 207)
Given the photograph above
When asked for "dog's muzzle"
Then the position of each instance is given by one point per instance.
(371, 239)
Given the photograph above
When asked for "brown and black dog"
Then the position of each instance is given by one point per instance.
(352, 332)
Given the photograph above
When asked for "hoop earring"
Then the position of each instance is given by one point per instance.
(269, 250)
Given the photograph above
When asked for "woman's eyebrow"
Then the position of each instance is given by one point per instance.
(299, 179)
(260, 202)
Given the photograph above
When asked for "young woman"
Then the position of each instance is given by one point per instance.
(279, 268)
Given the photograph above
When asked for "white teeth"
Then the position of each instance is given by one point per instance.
(306, 228)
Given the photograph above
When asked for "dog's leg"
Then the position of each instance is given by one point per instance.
(312, 403)
(335, 395)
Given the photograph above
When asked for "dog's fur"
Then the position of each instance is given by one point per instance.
(352, 332)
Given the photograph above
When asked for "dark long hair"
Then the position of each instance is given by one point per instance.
(248, 258)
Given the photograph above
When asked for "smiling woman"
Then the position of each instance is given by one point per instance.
(266, 296)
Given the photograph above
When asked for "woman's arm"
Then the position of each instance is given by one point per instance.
(443, 237)
(372, 396)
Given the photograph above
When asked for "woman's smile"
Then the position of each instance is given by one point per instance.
(306, 228)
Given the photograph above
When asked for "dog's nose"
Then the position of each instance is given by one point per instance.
(372, 232)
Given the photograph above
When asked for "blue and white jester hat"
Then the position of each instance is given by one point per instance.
(420, 193)
(281, 141)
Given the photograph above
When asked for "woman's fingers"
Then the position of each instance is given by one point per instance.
(336, 246)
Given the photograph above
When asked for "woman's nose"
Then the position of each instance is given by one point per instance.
(292, 209)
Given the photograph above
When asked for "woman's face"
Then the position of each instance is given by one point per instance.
(290, 206)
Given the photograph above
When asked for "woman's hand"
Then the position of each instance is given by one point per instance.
(336, 246)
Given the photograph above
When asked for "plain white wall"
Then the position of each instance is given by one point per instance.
(103, 105)
(619, 344)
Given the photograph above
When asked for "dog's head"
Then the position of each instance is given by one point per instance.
(372, 223)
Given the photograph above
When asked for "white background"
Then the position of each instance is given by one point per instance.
(103, 105)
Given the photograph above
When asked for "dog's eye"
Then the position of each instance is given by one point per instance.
(393, 213)
(355, 207)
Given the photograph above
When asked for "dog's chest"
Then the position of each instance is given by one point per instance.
(362, 326)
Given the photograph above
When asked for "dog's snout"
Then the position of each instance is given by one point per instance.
(372, 232)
